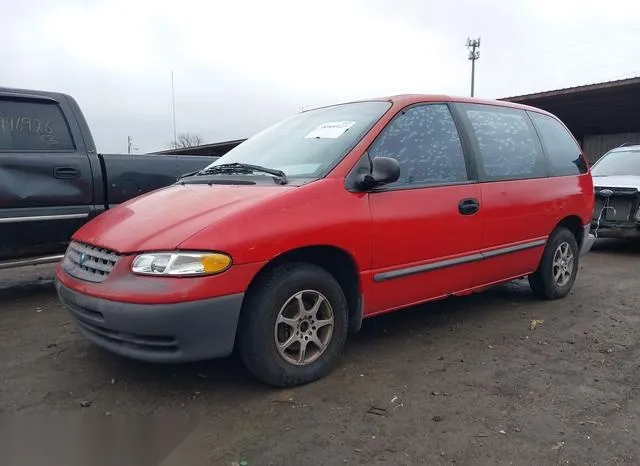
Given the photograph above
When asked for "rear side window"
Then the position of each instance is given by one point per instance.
(33, 126)
(506, 141)
(563, 153)
(425, 141)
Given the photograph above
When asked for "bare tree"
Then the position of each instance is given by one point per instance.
(186, 140)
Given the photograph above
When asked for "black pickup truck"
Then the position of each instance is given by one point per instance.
(52, 179)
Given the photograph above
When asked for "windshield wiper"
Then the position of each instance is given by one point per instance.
(238, 167)
(188, 174)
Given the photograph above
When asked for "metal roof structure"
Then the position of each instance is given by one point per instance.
(603, 108)
(216, 149)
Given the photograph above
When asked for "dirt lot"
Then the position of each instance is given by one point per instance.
(463, 381)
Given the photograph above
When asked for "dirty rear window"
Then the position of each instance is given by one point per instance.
(565, 156)
(33, 126)
(507, 143)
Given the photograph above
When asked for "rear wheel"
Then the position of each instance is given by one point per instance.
(294, 325)
(558, 269)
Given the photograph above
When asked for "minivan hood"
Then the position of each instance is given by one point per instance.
(620, 181)
(163, 219)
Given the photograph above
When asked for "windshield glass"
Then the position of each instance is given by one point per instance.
(616, 163)
(308, 144)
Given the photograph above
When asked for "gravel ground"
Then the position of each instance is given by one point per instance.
(462, 381)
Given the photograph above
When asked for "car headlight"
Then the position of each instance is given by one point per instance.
(181, 263)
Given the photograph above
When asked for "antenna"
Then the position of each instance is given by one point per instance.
(173, 110)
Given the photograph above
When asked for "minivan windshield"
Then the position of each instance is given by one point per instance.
(620, 162)
(309, 144)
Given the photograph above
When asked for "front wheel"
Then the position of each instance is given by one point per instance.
(294, 325)
(558, 269)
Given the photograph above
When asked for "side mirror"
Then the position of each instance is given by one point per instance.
(384, 170)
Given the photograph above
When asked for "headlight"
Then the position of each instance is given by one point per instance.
(181, 263)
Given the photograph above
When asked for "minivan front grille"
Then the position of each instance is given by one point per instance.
(89, 263)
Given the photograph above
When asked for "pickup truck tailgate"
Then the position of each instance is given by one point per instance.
(127, 176)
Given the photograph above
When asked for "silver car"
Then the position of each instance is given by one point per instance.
(616, 179)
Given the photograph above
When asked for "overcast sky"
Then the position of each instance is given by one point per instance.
(242, 65)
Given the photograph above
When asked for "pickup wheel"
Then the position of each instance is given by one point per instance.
(557, 271)
(294, 325)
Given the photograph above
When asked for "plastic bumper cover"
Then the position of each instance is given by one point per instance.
(165, 333)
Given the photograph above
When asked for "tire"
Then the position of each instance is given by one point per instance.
(259, 334)
(543, 282)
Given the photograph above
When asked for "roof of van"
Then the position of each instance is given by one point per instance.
(407, 99)
(402, 100)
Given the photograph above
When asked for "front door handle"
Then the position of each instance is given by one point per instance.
(468, 206)
(66, 173)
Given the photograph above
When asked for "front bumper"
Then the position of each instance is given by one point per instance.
(626, 230)
(615, 213)
(165, 333)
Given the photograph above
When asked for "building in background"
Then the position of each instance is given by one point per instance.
(601, 116)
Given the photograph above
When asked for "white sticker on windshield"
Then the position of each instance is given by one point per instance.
(330, 130)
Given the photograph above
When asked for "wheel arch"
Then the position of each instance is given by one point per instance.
(335, 260)
(573, 223)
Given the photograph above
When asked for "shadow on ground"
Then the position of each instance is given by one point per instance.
(229, 374)
(616, 246)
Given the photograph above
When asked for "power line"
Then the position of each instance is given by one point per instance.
(510, 59)
(474, 54)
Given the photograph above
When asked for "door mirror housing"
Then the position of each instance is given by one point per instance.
(384, 170)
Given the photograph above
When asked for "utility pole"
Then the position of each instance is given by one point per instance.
(474, 54)
(173, 110)
(130, 146)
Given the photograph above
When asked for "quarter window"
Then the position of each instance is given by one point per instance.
(507, 143)
(425, 141)
(563, 153)
(33, 126)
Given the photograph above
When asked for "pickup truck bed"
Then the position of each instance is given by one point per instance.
(52, 179)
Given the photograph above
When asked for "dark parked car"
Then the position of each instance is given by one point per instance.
(52, 179)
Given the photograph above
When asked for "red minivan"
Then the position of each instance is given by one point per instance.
(284, 245)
